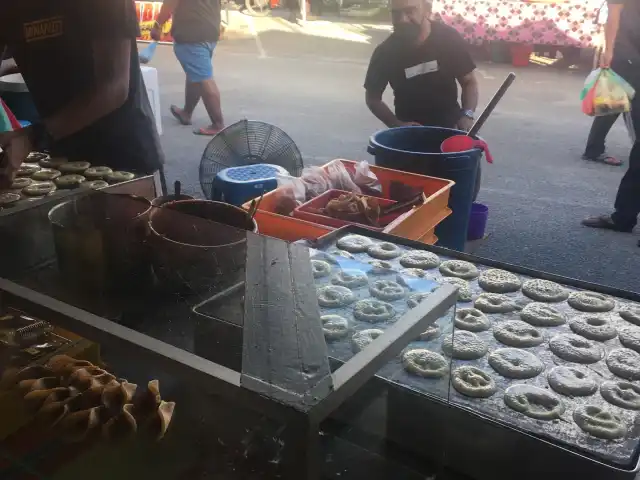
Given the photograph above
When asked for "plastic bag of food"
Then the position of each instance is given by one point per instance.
(291, 192)
(367, 180)
(608, 94)
(340, 178)
(316, 181)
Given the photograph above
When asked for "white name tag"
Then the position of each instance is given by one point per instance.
(421, 69)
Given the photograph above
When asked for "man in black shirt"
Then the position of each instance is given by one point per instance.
(195, 31)
(422, 60)
(80, 62)
(622, 36)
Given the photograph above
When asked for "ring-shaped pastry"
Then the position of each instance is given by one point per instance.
(384, 250)
(516, 333)
(494, 303)
(575, 348)
(373, 311)
(594, 326)
(425, 363)
(334, 296)
(387, 290)
(591, 302)
(572, 381)
(473, 382)
(499, 281)
(544, 291)
(363, 338)
(471, 319)
(542, 315)
(464, 345)
(419, 259)
(534, 402)
(621, 394)
(354, 243)
(515, 363)
(459, 268)
(350, 279)
(624, 363)
(334, 327)
(599, 422)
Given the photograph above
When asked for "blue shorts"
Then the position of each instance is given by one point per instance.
(195, 59)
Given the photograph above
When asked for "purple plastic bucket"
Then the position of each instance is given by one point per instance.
(477, 221)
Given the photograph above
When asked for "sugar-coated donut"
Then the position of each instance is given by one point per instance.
(624, 363)
(415, 298)
(413, 272)
(380, 267)
(630, 313)
(464, 291)
(630, 338)
(494, 303)
(471, 319)
(621, 394)
(97, 173)
(419, 259)
(544, 291)
(350, 278)
(464, 345)
(599, 422)
(473, 382)
(517, 334)
(499, 281)
(354, 243)
(515, 363)
(459, 268)
(432, 331)
(572, 381)
(387, 290)
(52, 162)
(335, 296)
(95, 184)
(27, 169)
(334, 327)
(363, 338)
(373, 311)
(575, 348)
(35, 157)
(534, 402)
(591, 302)
(340, 253)
(8, 198)
(594, 326)
(425, 363)
(542, 315)
(20, 182)
(320, 268)
(384, 250)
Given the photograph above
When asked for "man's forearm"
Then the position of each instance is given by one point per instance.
(382, 112)
(470, 95)
(167, 9)
(612, 26)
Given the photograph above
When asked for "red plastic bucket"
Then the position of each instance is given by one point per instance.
(520, 54)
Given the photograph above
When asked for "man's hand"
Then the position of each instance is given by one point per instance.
(465, 123)
(16, 146)
(606, 57)
(156, 32)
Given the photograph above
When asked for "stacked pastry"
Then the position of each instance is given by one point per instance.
(80, 400)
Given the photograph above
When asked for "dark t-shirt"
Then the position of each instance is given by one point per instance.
(51, 43)
(196, 21)
(423, 78)
(626, 59)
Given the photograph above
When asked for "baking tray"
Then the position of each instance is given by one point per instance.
(584, 448)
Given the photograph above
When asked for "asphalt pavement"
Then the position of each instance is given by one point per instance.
(308, 81)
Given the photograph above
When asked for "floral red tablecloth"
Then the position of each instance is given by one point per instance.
(564, 24)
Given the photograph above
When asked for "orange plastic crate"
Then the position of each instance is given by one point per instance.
(288, 228)
(417, 224)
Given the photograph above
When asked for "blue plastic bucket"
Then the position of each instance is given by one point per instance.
(477, 221)
(417, 150)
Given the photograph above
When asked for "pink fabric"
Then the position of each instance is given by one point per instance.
(563, 24)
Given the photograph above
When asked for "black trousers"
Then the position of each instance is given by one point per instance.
(598, 134)
(628, 198)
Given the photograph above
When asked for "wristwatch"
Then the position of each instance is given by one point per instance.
(469, 114)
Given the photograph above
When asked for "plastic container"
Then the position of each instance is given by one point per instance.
(305, 211)
(418, 150)
(413, 225)
(477, 221)
(16, 95)
(288, 229)
(520, 54)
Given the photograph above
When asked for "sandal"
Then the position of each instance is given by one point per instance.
(604, 158)
(177, 114)
(207, 131)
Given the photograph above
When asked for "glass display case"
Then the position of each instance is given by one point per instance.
(163, 344)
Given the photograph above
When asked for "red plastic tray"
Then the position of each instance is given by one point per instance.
(303, 211)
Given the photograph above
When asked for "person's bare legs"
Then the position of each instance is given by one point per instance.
(191, 98)
(211, 99)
